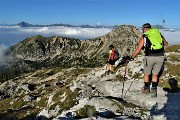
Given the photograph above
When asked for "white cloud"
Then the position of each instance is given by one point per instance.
(10, 27)
(76, 32)
(2, 57)
(34, 30)
(72, 32)
(172, 37)
(86, 33)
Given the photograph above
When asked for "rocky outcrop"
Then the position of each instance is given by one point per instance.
(66, 93)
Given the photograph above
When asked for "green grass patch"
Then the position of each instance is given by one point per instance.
(173, 48)
(174, 58)
(86, 111)
(56, 70)
(5, 104)
(40, 74)
(121, 108)
(42, 103)
(19, 104)
(173, 69)
(69, 99)
(163, 83)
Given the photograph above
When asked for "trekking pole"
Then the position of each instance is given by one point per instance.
(124, 77)
(137, 74)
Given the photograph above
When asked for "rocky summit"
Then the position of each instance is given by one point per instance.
(64, 78)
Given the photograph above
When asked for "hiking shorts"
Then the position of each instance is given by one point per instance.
(153, 64)
(112, 62)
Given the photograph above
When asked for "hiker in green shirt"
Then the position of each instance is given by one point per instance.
(153, 44)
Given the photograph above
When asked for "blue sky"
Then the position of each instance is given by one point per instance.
(106, 12)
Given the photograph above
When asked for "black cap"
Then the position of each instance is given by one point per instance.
(146, 25)
(111, 46)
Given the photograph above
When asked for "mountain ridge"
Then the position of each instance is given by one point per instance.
(25, 24)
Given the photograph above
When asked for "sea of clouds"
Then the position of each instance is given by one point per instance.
(10, 35)
(172, 37)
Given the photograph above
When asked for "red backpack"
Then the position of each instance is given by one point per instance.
(114, 55)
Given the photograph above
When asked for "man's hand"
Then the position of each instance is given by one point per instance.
(130, 59)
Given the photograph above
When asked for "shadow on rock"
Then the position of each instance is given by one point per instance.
(170, 110)
(174, 86)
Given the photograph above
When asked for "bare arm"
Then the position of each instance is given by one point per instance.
(109, 54)
(140, 45)
(164, 41)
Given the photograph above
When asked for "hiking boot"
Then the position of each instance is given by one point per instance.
(153, 92)
(108, 72)
(112, 72)
(145, 90)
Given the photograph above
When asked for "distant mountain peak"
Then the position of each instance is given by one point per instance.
(24, 24)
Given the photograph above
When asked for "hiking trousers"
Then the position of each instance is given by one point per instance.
(153, 64)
